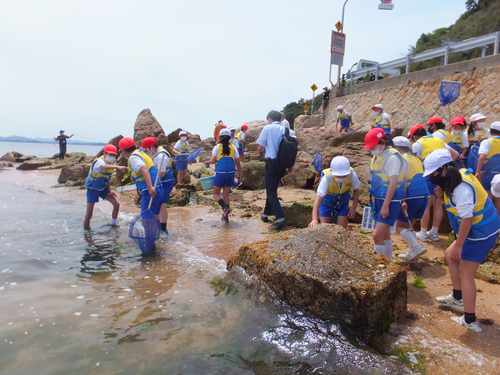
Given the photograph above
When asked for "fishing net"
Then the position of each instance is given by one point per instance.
(194, 154)
(448, 92)
(145, 230)
(318, 162)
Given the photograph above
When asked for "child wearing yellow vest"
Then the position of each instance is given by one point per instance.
(97, 184)
(334, 192)
(476, 224)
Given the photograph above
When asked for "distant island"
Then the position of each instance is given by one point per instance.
(17, 138)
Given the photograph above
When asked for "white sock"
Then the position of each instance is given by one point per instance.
(434, 230)
(113, 221)
(388, 248)
(410, 237)
(380, 249)
(423, 230)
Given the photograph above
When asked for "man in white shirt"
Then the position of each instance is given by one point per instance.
(284, 122)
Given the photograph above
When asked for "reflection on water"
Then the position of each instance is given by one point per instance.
(87, 302)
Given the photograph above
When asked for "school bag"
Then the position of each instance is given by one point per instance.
(287, 152)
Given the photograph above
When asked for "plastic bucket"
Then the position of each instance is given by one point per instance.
(207, 183)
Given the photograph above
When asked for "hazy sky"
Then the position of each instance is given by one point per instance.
(90, 66)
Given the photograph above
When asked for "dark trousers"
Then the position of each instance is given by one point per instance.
(62, 152)
(272, 181)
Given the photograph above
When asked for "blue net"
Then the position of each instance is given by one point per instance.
(145, 230)
(318, 162)
(194, 154)
(448, 92)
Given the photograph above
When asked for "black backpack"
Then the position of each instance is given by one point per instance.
(287, 152)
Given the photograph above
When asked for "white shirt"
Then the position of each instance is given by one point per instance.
(465, 139)
(270, 138)
(215, 151)
(417, 149)
(485, 147)
(285, 123)
(323, 184)
(161, 161)
(135, 162)
(439, 135)
(463, 197)
(178, 145)
(347, 114)
(486, 133)
(97, 167)
(235, 142)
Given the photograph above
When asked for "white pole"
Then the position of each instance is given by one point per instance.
(342, 31)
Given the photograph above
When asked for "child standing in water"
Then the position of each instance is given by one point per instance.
(334, 193)
(387, 186)
(181, 151)
(97, 184)
(226, 159)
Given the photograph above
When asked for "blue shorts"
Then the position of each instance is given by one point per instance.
(94, 195)
(394, 209)
(157, 200)
(181, 162)
(326, 209)
(345, 123)
(224, 179)
(167, 189)
(486, 180)
(477, 251)
(416, 209)
(430, 185)
(240, 151)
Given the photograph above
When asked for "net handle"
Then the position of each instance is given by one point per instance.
(156, 181)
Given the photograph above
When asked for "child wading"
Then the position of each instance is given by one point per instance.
(97, 184)
(416, 196)
(144, 174)
(334, 192)
(163, 162)
(476, 225)
(181, 151)
(226, 159)
(387, 186)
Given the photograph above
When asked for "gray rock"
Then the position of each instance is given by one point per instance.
(253, 175)
(331, 273)
(74, 172)
(9, 157)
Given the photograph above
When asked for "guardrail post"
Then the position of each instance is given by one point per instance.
(497, 42)
(483, 51)
(446, 54)
(408, 61)
(376, 73)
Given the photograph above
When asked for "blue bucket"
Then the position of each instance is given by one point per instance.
(207, 183)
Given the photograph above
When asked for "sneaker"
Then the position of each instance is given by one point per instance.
(473, 326)
(433, 236)
(422, 236)
(279, 225)
(413, 254)
(264, 219)
(451, 302)
(164, 233)
(226, 213)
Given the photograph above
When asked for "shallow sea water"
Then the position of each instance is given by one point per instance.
(76, 302)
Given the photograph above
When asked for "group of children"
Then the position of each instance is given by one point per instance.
(408, 176)
(151, 160)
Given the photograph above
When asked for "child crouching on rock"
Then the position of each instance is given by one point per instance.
(97, 184)
(334, 192)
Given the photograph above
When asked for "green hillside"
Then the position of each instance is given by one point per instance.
(481, 17)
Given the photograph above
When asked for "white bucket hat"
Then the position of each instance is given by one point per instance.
(401, 141)
(225, 132)
(477, 116)
(495, 125)
(340, 166)
(436, 160)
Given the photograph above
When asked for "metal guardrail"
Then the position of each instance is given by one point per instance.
(477, 42)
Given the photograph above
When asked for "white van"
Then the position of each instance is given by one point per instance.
(363, 65)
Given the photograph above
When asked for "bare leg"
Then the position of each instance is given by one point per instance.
(225, 194)
(468, 270)
(438, 212)
(342, 221)
(424, 222)
(217, 195)
(88, 215)
(116, 205)
(381, 233)
(324, 220)
(180, 176)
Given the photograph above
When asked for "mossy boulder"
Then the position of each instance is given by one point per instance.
(253, 175)
(331, 273)
(489, 272)
(299, 214)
